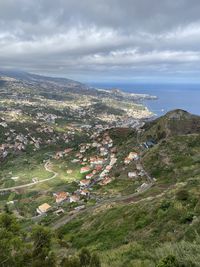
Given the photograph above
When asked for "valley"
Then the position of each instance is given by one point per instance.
(93, 166)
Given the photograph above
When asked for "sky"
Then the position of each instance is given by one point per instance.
(103, 40)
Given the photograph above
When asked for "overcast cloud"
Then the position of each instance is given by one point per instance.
(90, 40)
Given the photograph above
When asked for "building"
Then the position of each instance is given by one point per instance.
(61, 196)
(133, 155)
(85, 169)
(132, 174)
(84, 183)
(127, 160)
(74, 198)
(42, 209)
(89, 176)
(84, 192)
(106, 181)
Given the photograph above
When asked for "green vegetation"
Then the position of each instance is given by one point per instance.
(157, 227)
(174, 159)
(35, 248)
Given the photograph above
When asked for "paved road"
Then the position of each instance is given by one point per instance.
(68, 218)
(46, 166)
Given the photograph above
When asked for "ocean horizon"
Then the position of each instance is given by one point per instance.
(170, 96)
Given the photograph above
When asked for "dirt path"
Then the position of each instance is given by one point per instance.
(46, 166)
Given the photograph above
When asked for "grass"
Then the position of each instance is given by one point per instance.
(174, 159)
(154, 224)
(30, 165)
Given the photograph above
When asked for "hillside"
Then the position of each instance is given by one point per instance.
(176, 122)
(92, 166)
(161, 221)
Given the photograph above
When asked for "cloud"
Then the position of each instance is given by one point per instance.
(105, 39)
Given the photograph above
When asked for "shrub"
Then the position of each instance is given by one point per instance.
(182, 195)
(188, 218)
(169, 261)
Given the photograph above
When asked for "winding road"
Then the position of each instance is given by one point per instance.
(46, 166)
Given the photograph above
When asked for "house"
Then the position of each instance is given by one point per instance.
(108, 167)
(96, 160)
(102, 174)
(133, 155)
(105, 181)
(82, 150)
(110, 144)
(84, 183)
(4, 124)
(75, 160)
(74, 198)
(103, 151)
(68, 150)
(113, 161)
(61, 196)
(94, 144)
(89, 176)
(59, 155)
(132, 174)
(127, 160)
(113, 150)
(84, 192)
(93, 160)
(42, 209)
(112, 155)
(85, 169)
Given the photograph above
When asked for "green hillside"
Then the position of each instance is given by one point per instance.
(176, 122)
(164, 220)
(88, 165)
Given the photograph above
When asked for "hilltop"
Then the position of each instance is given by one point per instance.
(176, 122)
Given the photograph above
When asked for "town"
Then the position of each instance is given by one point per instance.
(57, 155)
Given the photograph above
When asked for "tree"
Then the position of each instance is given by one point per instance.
(11, 242)
(84, 257)
(95, 261)
(9, 223)
(6, 209)
(42, 255)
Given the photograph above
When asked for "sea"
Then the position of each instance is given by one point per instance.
(169, 96)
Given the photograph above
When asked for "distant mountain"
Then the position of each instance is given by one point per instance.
(25, 76)
(60, 88)
(42, 85)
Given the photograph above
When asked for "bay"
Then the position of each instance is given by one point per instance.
(170, 96)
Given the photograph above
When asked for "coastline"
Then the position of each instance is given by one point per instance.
(169, 95)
